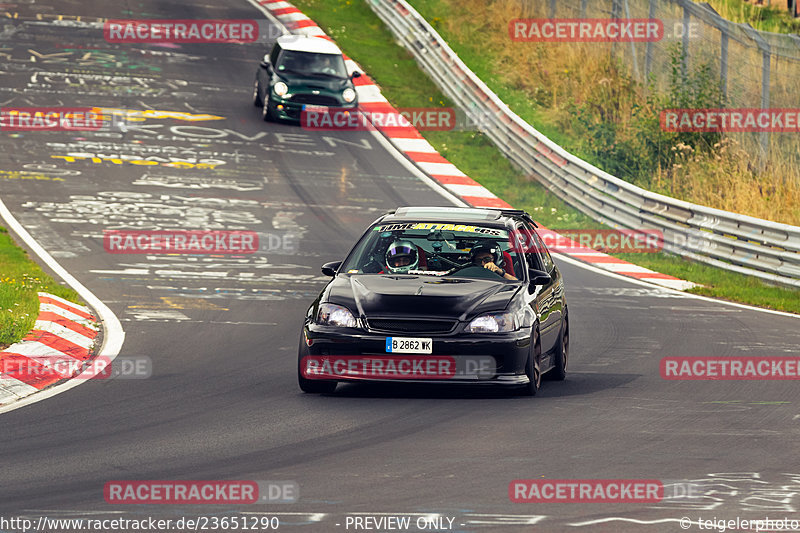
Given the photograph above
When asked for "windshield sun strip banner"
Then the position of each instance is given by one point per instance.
(436, 226)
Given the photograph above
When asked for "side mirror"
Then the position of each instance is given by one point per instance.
(355, 75)
(538, 277)
(266, 63)
(329, 269)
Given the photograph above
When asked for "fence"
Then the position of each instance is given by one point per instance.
(768, 250)
(756, 69)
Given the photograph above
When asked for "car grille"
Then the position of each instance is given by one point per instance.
(314, 99)
(411, 326)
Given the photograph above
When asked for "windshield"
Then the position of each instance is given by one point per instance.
(312, 64)
(436, 249)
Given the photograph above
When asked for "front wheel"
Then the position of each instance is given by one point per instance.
(256, 96)
(559, 371)
(532, 369)
(314, 386)
(266, 112)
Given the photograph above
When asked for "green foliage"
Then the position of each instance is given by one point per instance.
(621, 130)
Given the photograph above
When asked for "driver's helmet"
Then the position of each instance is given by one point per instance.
(492, 249)
(401, 256)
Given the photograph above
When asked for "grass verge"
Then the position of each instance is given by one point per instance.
(362, 36)
(20, 281)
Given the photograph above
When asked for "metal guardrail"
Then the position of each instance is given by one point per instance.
(740, 243)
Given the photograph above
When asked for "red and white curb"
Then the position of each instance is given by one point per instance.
(54, 350)
(410, 142)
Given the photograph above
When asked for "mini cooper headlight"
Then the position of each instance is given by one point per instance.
(349, 95)
(335, 315)
(280, 88)
(493, 323)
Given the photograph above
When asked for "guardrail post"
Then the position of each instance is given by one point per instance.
(583, 8)
(552, 13)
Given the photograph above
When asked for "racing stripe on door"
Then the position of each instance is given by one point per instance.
(410, 142)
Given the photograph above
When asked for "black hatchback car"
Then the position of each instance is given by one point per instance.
(303, 73)
(440, 295)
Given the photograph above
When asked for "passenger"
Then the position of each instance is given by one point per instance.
(488, 256)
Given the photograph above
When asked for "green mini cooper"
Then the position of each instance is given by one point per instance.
(303, 73)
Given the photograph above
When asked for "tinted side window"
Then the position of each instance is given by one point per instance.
(546, 260)
(532, 259)
(273, 56)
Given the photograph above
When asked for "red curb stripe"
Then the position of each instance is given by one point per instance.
(403, 133)
(67, 323)
(38, 378)
(284, 11)
(600, 259)
(363, 81)
(297, 24)
(478, 201)
(427, 157)
(377, 107)
(62, 305)
(454, 180)
(59, 344)
(648, 275)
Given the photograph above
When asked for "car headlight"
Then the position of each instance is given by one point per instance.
(335, 315)
(280, 88)
(493, 323)
(349, 95)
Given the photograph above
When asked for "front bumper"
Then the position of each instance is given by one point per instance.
(288, 110)
(478, 359)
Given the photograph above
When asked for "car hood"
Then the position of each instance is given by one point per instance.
(407, 295)
(309, 83)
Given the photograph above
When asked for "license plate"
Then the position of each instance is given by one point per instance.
(315, 108)
(408, 345)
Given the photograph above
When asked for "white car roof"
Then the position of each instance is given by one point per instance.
(303, 43)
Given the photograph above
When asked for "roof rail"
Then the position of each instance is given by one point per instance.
(519, 213)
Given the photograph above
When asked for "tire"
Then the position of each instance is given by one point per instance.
(266, 112)
(256, 96)
(312, 386)
(559, 370)
(532, 369)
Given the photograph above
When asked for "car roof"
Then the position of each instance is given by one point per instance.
(459, 215)
(304, 43)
